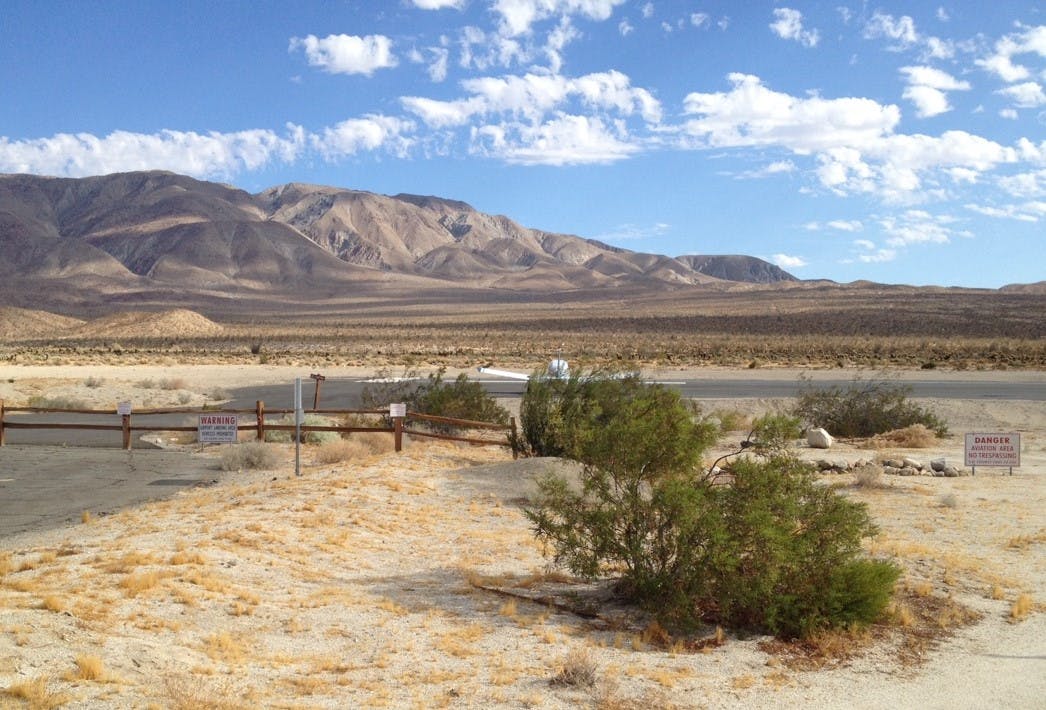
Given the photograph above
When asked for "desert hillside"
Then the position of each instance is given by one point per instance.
(142, 235)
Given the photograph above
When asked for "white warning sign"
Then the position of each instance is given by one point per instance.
(217, 429)
(993, 450)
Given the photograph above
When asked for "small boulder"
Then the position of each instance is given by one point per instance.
(819, 438)
(938, 464)
(912, 463)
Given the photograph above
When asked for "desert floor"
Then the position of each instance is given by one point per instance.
(400, 580)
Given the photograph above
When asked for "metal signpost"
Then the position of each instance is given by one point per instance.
(993, 449)
(299, 418)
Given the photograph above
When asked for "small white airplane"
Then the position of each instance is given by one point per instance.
(558, 369)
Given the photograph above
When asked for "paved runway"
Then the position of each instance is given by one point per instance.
(44, 487)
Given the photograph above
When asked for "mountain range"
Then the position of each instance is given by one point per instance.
(154, 235)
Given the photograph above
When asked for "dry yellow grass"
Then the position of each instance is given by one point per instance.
(1022, 607)
(370, 576)
(37, 694)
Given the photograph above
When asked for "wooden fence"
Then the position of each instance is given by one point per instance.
(399, 425)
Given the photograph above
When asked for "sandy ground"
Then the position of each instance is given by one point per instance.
(374, 582)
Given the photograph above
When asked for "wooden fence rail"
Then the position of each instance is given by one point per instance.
(260, 425)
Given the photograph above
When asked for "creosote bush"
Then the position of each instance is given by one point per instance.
(460, 398)
(771, 551)
(863, 408)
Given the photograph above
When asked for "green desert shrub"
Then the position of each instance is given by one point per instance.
(385, 388)
(460, 398)
(863, 408)
(570, 417)
(789, 560)
(772, 551)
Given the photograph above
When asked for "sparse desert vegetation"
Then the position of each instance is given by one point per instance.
(825, 326)
(382, 579)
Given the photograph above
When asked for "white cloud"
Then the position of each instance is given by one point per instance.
(928, 101)
(200, 155)
(851, 139)
(937, 48)
(1029, 212)
(1009, 113)
(788, 262)
(789, 25)
(1030, 184)
(926, 87)
(901, 30)
(346, 54)
(942, 14)
(439, 4)
(1026, 95)
(558, 39)
(632, 232)
(852, 225)
(648, 10)
(625, 29)
(564, 140)
(878, 256)
(1031, 40)
(934, 78)
(532, 96)
(918, 227)
(700, 19)
(780, 167)
(750, 114)
(517, 16)
(363, 134)
(870, 253)
(438, 68)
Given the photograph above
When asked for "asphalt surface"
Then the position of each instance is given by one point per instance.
(49, 477)
(45, 487)
(345, 394)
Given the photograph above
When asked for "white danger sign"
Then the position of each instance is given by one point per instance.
(217, 429)
(993, 450)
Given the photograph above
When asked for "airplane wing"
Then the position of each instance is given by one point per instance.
(504, 373)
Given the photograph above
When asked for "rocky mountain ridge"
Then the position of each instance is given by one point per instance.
(146, 231)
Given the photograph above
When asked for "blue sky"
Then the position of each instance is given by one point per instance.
(900, 142)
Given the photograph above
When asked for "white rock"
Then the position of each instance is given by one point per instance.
(819, 438)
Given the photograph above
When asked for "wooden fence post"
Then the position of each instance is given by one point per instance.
(126, 430)
(259, 413)
(2, 422)
(513, 438)
(397, 423)
(316, 394)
